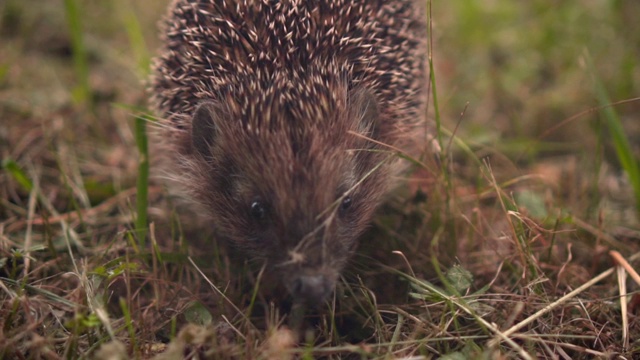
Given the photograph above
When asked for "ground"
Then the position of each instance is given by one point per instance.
(512, 244)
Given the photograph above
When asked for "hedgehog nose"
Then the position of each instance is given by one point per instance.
(311, 289)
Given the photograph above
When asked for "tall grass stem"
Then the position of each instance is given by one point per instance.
(82, 93)
(143, 180)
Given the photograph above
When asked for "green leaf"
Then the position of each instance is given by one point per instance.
(459, 278)
(533, 202)
(197, 314)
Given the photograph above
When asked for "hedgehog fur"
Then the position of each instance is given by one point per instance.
(280, 116)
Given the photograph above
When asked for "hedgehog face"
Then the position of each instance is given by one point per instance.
(293, 186)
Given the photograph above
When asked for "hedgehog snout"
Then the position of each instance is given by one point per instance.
(310, 289)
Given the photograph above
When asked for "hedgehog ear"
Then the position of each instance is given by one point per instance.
(203, 128)
(365, 106)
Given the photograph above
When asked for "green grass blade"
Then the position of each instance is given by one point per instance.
(432, 79)
(42, 292)
(18, 174)
(4, 71)
(624, 152)
(143, 179)
(73, 13)
(136, 38)
(129, 324)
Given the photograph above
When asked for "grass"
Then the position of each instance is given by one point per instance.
(625, 155)
(143, 180)
(73, 11)
(514, 245)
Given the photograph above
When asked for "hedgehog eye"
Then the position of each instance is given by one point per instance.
(258, 211)
(345, 204)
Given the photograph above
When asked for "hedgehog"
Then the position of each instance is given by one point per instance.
(284, 119)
